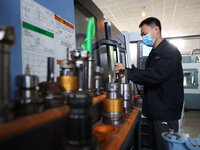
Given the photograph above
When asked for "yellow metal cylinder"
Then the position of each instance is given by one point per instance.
(68, 83)
(113, 105)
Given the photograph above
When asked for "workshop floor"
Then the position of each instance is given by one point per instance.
(191, 123)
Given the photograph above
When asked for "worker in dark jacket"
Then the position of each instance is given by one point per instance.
(162, 79)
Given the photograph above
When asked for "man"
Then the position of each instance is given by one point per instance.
(162, 79)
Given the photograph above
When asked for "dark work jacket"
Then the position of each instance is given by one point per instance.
(163, 83)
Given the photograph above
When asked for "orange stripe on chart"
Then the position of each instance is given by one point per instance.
(64, 22)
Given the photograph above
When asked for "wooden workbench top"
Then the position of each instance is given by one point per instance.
(116, 135)
(30, 121)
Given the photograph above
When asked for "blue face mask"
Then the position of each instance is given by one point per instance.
(148, 40)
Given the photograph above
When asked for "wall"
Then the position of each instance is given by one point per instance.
(185, 46)
(10, 16)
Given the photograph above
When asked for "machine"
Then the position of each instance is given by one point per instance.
(191, 71)
(61, 94)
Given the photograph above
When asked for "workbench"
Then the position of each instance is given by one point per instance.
(46, 130)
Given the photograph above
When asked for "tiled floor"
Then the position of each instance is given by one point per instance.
(192, 123)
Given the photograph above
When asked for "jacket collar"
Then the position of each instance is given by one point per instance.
(159, 48)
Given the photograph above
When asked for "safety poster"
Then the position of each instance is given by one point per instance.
(44, 34)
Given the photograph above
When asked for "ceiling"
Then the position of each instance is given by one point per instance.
(178, 17)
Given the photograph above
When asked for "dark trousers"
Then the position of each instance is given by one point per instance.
(156, 127)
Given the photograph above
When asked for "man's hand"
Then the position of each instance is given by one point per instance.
(119, 66)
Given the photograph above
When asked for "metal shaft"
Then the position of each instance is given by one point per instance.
(91, 71)
(50, 69)
(6, 40)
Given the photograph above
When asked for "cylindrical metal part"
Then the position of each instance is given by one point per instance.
(68, 68)
(113, 91)
(27, 81)
(27, 88)
(80, 64)
(111, 64)
(68, 83)
(126, 93)
(6, 40)
(79, 123)
(26, 96)
(132, 87)
(68, 76)
(98, 80)
(118, 55)
(50, 69)
(84, 56)
(113, 105)
(91, 71)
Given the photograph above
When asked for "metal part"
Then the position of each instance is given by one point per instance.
(68, 76)
(113, 91)
(50, 91)
(123, 76)
(7, 39)
(91, 71)
(80, 64)
(75, 54)
(115, 120)
(98, 80)
(68, 83)
(126, 93)
(27, 88)
(81, 61)
(28, 100)
(78, 123)
(50, 69)
(132, 93)
(27, 81)
(68, 68)
(118, 55)
(113, 105)
(84, 56)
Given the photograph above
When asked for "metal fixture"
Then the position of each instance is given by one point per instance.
(113, 105)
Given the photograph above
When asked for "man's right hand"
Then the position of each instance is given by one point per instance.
(119, 66)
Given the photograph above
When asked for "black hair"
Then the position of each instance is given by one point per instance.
(151, 21)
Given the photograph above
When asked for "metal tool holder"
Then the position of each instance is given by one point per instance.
(113, 105)
(7, 39)
(125, 90)
(79, 123)
(27, 94)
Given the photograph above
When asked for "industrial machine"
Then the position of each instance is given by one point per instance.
(60, 111)
(191, 71)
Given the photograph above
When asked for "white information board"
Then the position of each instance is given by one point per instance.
(44, 34)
